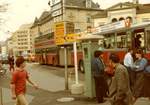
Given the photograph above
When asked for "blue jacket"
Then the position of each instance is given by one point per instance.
(97, 67)
(141, 64)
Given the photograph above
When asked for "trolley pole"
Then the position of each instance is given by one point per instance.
(1, 97)
(66, 68)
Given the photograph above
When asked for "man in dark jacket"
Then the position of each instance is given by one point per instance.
(98, 67)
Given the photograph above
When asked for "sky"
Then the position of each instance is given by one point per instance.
(24, 12)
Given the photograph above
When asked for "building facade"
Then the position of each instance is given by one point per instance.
(22, 41)
(77, 12)
(134, 11)
(9, 46)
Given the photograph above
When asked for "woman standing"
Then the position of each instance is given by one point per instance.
(140, 65)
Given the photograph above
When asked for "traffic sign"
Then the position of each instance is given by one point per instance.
(59, 29)
(59, 40)
(59, 33)
(71, 37)
(63, 33)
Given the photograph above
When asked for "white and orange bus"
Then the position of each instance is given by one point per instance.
(47, 52)
(118, 38)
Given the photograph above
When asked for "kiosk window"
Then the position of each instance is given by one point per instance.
(86, 52)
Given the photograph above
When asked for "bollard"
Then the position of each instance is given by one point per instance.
(1, 97)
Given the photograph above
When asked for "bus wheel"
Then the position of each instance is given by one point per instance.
(81, 66)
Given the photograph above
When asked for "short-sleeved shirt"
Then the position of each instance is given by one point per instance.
(19, 78)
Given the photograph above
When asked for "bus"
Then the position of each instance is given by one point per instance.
(48, 53)
(118, 38)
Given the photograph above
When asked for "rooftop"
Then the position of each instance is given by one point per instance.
(81, 3)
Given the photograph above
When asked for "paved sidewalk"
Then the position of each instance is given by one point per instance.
(43, 97)
(48, 95)
(7, 97)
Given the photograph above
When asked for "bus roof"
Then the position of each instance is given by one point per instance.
(118, 27)
(140, 25)
(89, 36)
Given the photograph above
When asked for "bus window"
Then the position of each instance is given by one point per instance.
(123, 40)
(109, 41)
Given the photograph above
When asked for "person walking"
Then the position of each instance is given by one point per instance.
(11, 63)
(18, 82)
(98, 67)
(119, 90)
(128, 63)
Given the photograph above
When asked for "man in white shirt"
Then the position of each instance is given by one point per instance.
(128, 59)
(128, 63)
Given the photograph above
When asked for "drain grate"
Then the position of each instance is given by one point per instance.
(65, 99)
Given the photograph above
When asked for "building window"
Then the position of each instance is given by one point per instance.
(114, 20)
(77, 30)
(120, 19)
(130, 18)
(101, 23)
(88, 19)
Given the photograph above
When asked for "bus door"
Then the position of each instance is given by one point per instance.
(147, 43)
(138, 39)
